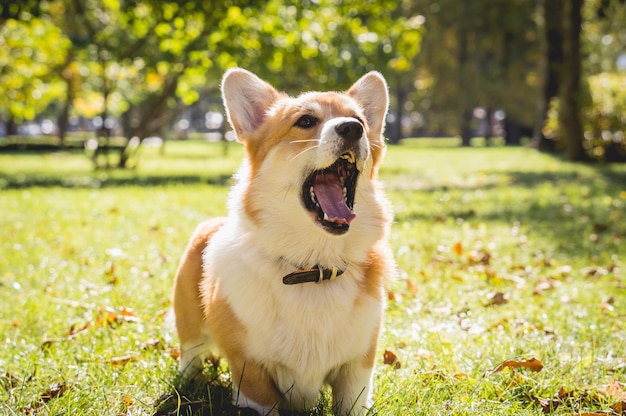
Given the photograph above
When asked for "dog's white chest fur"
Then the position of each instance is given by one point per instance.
(301, 332)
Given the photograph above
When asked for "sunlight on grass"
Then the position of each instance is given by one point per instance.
(503, 253)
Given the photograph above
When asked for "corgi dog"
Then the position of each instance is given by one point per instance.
(289, 286)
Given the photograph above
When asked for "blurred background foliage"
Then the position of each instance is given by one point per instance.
(551, 70)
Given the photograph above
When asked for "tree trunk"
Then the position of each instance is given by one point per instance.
(464, 81)
(396, 132)
(466, 128)
(512, 132)
(11, 126)
(551, 29)
(570, 125)
(488, 126)
(63, 120)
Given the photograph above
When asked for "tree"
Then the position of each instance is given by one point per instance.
(551, 61)
(478, 54)
(29, 74)
(586, 116)
(142, 62)
(570, 94)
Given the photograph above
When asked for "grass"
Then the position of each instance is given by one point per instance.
(504, 254)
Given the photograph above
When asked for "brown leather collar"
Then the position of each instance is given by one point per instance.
(316, 274)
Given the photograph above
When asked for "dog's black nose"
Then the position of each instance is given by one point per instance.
(350, 130)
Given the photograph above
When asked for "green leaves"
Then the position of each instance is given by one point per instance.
(30, 67)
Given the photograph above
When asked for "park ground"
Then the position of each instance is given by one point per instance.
(510, 297)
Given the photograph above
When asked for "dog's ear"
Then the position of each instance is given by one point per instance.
(247, 99)
(370, 91)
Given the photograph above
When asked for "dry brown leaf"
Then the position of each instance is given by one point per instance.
(544, 285)
(389, 358)
(9, 381)
(497, 299)
(75, 330)
(614, 390)
(531, 364)
(55, 390)
(107, 316)
(412, 287)
(127, 403)
(153, 344)
(174, 353)
(550, 405)
(479, 257)
(619, 407)
(49, 342)
(607, 304)
(121, 361)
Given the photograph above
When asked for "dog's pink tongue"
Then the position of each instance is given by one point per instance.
(329, 193)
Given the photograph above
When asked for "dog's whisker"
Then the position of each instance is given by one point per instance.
(302, 152)
(304, 141)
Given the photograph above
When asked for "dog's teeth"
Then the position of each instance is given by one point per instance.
(325, 217)
(345, 192)
(349, 156)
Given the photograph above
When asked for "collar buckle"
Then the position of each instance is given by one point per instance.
(317, 275)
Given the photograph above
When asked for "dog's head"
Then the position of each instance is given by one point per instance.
(316, 147)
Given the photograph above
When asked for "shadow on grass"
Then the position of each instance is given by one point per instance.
(583, 212)
(105, 180)
(211, 396)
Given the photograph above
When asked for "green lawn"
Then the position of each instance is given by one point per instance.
(504, 254)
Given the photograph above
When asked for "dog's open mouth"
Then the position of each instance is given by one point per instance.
(329, 193)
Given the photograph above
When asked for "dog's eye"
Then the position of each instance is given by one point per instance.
(306, 122)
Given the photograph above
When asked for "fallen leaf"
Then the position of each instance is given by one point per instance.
(458, 248)
(48, 342)
(389, 358)
(107, 316)
(174, 353)
(412, 287)
(128, 315)
(531, 364)
(615, 391)
(544, 285)
(497, 299)
(153, 344)
(110, 274)
(9, 381)
(607, 304)
(479, 257)
(127, 402)
(121, 361)
(74, 330)
(55, 390)
(550, 405)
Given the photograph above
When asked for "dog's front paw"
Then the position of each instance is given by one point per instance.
(246, 404)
